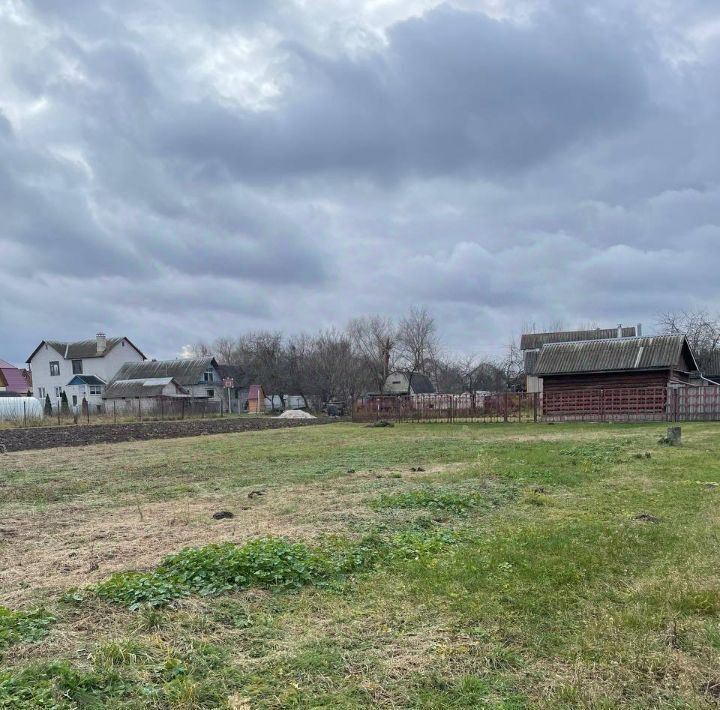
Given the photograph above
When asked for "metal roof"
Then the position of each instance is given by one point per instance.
(534, 341)
(415, 381)
(658, 352)
(712, 365)
(14, 378)
(186, 372)
(151, 387)
(85, 380)
(83, 349)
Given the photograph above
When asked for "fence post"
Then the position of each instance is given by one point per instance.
(114, 412)
(505, 408)
(535, 406)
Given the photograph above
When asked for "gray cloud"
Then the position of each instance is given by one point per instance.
(174, 171)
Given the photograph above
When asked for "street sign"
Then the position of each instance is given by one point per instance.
(229, 383)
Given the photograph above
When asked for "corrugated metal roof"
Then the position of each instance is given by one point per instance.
(14, 378)
(85, 380)
(82, 349)
(534, 341)
(530, 360)
(712, 366)
(657, 352)
(151, 387)
(186, 372)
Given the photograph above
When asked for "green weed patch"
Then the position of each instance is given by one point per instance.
(18, 626)
(266, 563)
(437, 499)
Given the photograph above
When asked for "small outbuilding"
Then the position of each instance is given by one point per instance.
(256, 399)
(407, 383)
(150, 388)
(585, 376)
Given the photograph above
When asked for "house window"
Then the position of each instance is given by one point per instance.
(211, 393)
(209, 375)
(95, 389)
(74, 400)
(58, 392)
(41, 392)
(77, 367)
(54, 368)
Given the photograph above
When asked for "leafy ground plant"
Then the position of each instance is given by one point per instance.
(433, 499)
(266, 563)
(19, 626)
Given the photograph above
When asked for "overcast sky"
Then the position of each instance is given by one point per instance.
(175, 170)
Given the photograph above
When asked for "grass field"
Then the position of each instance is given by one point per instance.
(520, 567)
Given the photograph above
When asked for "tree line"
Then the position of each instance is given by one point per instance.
(343, 364)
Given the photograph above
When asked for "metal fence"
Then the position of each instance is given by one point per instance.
(630, 404)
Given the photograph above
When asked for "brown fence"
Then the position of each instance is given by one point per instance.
(631, 404)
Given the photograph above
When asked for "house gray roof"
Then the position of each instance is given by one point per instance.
(712, 366)
(82, 349)
(530, 359)
(421, 384)
(86, 380)
(659, 352)
(186, 372)
(151, 387)
(534, 341)
(398, 383)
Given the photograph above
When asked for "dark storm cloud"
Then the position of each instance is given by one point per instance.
(453, 93)
(179, 170)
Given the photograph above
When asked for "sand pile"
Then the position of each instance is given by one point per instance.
(295, 414)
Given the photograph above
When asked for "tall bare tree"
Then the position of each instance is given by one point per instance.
(418, 339)
(700, 328)
(374, 340)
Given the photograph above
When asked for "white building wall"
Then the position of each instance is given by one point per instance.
(102, 367)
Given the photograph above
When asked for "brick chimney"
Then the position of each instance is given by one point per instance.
(101, 343)
(619, 331)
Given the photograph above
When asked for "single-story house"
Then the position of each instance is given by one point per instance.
(407, 383)
(532, 343)
(151, 388)
(200, 376)
(578, 375)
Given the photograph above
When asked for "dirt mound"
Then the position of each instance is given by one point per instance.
(296, 414)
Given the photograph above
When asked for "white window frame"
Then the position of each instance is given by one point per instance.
(54, 368)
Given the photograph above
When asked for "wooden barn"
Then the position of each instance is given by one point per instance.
(617, 376)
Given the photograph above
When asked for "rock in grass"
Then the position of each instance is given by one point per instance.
(646, 518)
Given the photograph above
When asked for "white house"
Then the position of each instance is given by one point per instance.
(81, 369)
